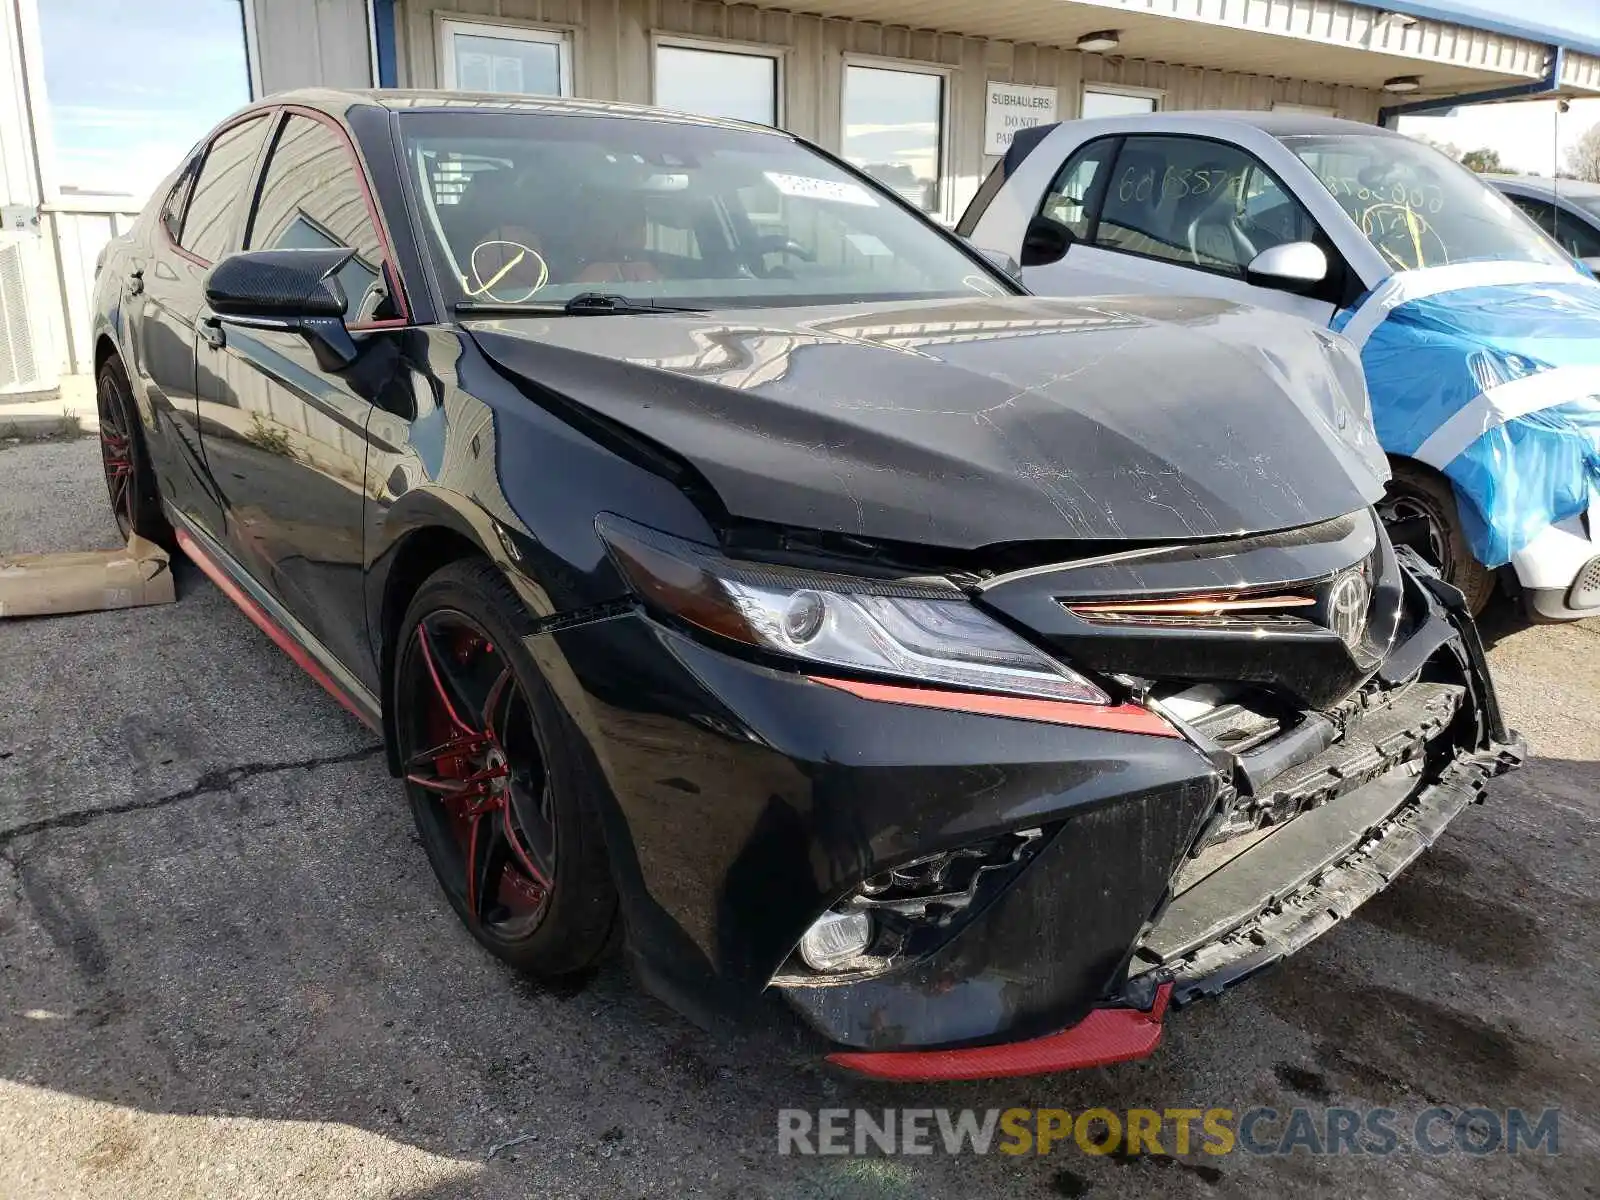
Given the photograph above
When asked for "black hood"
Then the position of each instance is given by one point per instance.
(968, 423)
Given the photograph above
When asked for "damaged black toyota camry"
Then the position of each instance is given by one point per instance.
(742, 571)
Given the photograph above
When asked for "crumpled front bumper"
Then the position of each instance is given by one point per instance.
(744, 800)
(1373, 802)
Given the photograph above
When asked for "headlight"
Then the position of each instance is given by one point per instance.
(927, 631)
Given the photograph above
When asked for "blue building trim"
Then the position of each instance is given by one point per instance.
(384, 40)
(1550, 83)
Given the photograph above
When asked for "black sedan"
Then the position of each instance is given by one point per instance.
(742, 571)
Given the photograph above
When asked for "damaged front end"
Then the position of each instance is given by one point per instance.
(1336, 692)
(964, 823)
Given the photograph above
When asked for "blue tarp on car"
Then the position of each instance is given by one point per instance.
(1490, 373)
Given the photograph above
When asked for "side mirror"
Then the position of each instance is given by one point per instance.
(287, 289)
(1291, 267)
(1045, 241)
(1592, 261)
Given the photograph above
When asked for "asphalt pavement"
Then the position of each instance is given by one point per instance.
(225, 969)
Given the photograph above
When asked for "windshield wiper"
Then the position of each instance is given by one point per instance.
(600, 304)
(584, 304)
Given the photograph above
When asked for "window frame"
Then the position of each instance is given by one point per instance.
(1158, 95)
(389, 264)
(563, 37)
(1095, 196)
(778, 54)
(943, 178)
(1340, 287)
(1335, 260)
(195, 167)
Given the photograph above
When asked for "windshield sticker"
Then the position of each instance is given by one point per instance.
(806, 187)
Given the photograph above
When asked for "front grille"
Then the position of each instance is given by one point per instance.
(1307, 613)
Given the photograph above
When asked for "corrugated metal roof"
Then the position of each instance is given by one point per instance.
(1329, 41)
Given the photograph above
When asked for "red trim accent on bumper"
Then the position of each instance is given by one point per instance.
(1106, 1035)
(280, 636)
(1121, 718)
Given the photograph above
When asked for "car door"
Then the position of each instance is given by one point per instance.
(286, 439)
(1175, 213)
(200, 220)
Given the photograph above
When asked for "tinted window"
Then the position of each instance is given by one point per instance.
(313, 197)
(1416, 206)
(1579, 238)
(1574, 235)
(1067, 199)
(1544, 215)
(534, 209)
(1200, 203)
(172, 206)
(215, 210)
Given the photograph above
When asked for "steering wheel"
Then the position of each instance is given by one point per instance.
(777, 243)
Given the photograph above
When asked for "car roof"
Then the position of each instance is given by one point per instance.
(1276, 124)
(1543, 185)
(338, 101)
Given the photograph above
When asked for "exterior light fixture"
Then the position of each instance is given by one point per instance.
(1402, 83)
(1105, 39)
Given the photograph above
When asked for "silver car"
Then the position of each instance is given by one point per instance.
(1454, 298)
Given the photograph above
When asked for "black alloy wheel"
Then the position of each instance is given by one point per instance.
(130, 483)
(1416, 493)
(493, 778)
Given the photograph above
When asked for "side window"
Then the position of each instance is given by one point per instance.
(1198, 203)
(1577, 236)
(1543, 215)
(312, 197)
(1067, 199)
(211, 220)
(172, 208)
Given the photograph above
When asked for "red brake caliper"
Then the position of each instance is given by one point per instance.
(469, 769)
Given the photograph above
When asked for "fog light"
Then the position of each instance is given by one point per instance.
(835, 939)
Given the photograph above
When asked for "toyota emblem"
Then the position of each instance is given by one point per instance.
(1348, 600)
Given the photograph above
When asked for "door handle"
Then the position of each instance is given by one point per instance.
(136, 282)
(211, 333)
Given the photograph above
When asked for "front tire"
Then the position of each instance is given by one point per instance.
(130, 480)
(500, 792)
(1416, 492)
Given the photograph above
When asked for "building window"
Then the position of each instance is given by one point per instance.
(1118, 102)
(477, 57)
(131, 87)
(738, 84)
(894, 129)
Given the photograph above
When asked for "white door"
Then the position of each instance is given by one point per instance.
(1171, 214)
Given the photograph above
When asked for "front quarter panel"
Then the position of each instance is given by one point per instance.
(459, 448)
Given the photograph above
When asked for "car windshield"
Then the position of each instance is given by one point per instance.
(536, 208)
(1416, 206)
(1589, 204)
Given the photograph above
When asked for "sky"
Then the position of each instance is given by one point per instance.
(1531, 136)
(128, 98)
